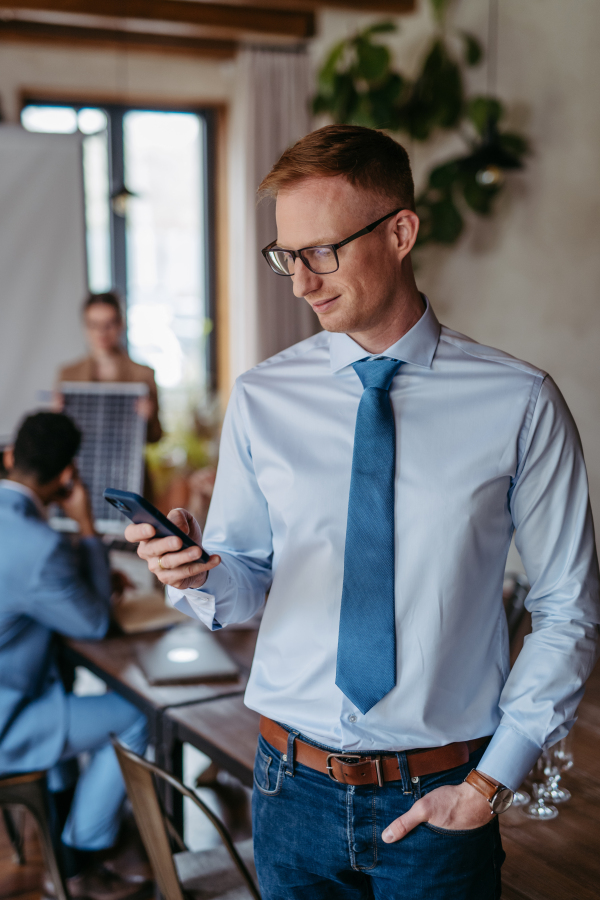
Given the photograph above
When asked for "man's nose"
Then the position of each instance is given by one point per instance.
(303, 280)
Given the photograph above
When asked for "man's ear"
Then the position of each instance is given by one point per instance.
(406, 229)
(8, 459)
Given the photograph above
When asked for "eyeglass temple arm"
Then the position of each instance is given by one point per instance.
(366, 230)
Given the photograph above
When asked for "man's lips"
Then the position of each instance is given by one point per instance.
(322, 305)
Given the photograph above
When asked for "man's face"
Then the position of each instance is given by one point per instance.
(362, 293)
(103, 328)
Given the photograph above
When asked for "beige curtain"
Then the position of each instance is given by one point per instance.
(273, 113)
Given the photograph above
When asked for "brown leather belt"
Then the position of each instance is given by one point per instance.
(351, 768)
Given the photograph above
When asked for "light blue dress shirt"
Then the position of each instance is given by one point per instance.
(485, 445)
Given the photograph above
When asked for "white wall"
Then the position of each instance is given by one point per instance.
(128, 76)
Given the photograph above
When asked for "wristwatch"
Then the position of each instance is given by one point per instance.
(498, 796)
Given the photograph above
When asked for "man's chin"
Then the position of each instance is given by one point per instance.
(331, 320)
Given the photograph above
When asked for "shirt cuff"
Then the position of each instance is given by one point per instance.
(201, 603)
(509, 757)
(195, 603)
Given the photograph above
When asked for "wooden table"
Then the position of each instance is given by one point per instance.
(226, 730)
(114, 660)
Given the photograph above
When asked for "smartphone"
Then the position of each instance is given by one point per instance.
(142, 512)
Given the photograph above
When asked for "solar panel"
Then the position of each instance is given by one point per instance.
(112, 448)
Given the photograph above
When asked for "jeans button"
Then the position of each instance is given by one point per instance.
(358, 847)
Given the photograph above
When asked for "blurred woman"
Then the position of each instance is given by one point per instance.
(108, 360)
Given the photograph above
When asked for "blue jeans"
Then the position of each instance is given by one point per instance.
(94, 818)
(315, 839)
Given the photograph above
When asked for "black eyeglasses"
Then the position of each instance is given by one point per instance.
(321, 260)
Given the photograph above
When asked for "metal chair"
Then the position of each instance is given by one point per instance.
(29, 790)
(221, 873)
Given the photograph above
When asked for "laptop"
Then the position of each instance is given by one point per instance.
(186, 655)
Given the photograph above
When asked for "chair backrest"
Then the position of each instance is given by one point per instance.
(150, 820)
(155, 828)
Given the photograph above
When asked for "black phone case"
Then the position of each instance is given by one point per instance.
(141, 512)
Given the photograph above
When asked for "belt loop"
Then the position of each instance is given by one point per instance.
(407, 786)
(289, 756)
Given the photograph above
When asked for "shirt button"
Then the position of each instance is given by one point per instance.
(352, 718)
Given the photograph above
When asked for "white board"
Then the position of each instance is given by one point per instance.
(42, 266)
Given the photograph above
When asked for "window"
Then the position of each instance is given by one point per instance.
(148, 205)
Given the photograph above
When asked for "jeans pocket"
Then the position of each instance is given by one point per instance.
(451, 832)
(268, 771)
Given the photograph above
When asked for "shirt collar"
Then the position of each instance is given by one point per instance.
(417, 346)
(26, 492)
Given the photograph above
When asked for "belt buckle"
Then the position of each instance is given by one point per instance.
(342, 757)
(347, 757)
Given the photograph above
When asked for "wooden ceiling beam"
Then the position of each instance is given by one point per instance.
(286, 22)
(20, 30)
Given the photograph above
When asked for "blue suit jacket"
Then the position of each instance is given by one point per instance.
(46, 586)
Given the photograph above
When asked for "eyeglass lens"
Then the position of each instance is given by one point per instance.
(321, 260)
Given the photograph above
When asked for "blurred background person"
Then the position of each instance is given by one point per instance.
(47, 586)
(108, 359)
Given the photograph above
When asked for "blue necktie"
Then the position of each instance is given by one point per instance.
(366, 659)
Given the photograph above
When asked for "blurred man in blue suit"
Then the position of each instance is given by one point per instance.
(46, 587)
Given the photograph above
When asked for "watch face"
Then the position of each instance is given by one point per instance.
(501, 801)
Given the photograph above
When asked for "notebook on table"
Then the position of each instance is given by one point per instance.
(186, 655)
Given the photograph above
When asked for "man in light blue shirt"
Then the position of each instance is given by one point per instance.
(311, 488)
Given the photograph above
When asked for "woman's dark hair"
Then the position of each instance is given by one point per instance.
(46, 443)
(109, 298)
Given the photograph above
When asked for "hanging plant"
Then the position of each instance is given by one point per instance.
(358, 86)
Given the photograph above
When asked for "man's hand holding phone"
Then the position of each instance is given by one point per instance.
(172, 565)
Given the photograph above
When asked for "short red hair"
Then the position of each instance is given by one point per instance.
(368, 159)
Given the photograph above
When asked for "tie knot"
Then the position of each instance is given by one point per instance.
(377, 373)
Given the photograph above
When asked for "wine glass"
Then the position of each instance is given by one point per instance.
(540, 810)
(559, 760)
(520, 798)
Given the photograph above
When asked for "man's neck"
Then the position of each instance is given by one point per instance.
(403, 316)
(30, 483)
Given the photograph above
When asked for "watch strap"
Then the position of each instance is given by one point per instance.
(484, 785)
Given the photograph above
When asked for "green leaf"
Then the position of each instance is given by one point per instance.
(372, 60)
(473, 49)
(437, 95)
(361, 114)
(444, 176)
(381, 28)
(446, 221)
(513, 143)
(345, 98)
(483, 112)
(322, 104)
(479, 198)
(439, 9)
(328, 70)
(383, 100)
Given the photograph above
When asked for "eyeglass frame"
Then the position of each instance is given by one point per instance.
(297, 254)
